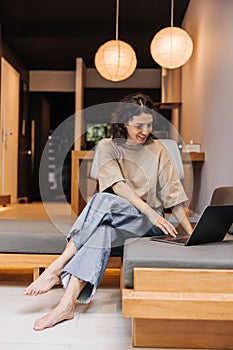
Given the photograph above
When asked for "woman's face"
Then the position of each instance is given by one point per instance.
(138, 128)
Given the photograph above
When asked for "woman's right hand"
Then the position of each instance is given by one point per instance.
(166, 226)
(124, 190)
(160, 221)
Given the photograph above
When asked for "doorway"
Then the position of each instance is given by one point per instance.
(47, 110)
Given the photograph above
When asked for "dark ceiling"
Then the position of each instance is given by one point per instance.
(50, 34)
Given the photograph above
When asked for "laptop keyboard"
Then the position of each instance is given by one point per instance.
(178, 239)
(181, 240)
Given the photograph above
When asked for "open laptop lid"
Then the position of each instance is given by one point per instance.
(212, 225)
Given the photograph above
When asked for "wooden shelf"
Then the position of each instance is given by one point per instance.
(193, 156)
(167, 105)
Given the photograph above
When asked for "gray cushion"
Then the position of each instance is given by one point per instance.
(141, 252)
(37, 237)
(33, 236)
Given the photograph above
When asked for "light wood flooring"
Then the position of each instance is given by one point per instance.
(37, 211)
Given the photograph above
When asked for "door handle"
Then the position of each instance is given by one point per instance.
(5, 134)
(27, 153)
(33, 135)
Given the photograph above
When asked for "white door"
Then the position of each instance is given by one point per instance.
(9, 121)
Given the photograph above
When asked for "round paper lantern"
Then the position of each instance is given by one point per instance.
(115, 60)
(171, 47)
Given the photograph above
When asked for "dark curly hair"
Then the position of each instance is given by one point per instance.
(130, 106)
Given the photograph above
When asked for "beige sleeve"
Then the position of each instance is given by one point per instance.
(169, 187)
(109, 170)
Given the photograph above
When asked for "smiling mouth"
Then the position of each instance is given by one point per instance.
(142, 138)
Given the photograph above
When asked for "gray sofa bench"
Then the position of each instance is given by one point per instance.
(177, 296)
(35, 244)
(31, 244)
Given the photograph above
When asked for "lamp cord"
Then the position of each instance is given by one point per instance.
(117, 18)
(172, 10)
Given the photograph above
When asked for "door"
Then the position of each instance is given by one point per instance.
(39, 111)
(25, 148)
(9, 118)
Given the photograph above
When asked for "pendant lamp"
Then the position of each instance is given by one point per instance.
(115, 60)
(171, 47)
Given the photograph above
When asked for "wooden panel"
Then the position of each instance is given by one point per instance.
(180, 306)
(5, 199)
(79, 155)
(77, 202)
(193, 156)
(115, 262)
(183, 280)
(26, 260)
(36, 273)
(111, 278)
(79, 104)
(36, 261)
(183, 334)
(42, 260)
(74, 183)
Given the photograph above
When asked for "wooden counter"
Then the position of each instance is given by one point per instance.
(78, 202)
(193, 156)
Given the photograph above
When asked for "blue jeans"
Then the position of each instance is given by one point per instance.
(106, 222)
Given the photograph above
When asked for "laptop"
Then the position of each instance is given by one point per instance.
(212, 226)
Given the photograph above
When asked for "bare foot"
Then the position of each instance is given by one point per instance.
(59, 314)
(43, 283)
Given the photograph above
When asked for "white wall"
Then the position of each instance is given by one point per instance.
(207, 91)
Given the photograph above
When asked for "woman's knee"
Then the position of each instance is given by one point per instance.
(112, 203)
(102, 196)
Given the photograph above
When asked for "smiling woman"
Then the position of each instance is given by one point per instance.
(137, 180)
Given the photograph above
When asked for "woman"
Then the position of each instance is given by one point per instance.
(137, 180)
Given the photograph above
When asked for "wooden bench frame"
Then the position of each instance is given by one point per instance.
(38, 261)
(180, 308)
(27, 261)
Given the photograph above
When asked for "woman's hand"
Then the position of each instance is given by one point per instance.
(166, 227)
(161, 222)
(180, 213)
(124, 190)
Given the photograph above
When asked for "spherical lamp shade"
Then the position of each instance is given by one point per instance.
(171, 47)
(115, 60)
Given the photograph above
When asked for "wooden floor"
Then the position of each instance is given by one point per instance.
(37, 211)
